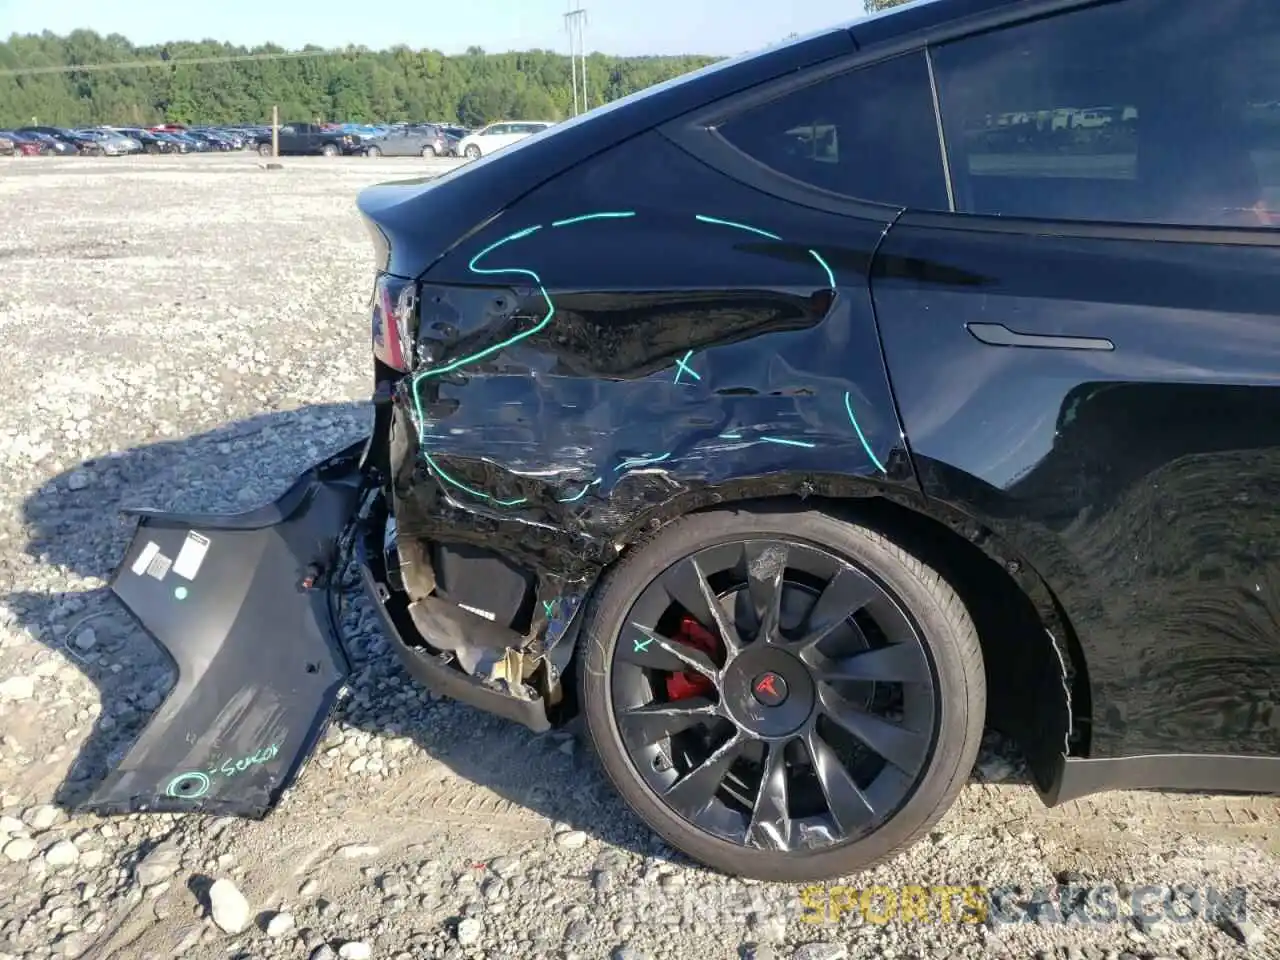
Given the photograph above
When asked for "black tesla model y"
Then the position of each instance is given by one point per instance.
(793, 420)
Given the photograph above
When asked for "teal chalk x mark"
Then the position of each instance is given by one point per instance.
(640, 462)
(848, 407)
(549, 606)
(177, 786)
(730, 436)
(783, 441)
(642, 645)
(683, 365)
(180, 592)
(581, 493)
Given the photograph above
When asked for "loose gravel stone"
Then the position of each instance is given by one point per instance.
(19, 849)
(469, 931)
(62, 854)
(228, 906)
(280, 924)
(572, 839)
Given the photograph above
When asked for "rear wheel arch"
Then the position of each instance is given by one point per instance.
(1038, 691)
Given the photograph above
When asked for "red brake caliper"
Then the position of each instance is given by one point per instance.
(681, 686)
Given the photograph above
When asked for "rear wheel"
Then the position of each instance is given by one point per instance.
(329, 150)
(264, 149)
(372, 152)
(473, 152)
(428, 151)
(782, 695)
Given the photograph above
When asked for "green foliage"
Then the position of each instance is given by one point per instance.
(874, 6)
(354, 84)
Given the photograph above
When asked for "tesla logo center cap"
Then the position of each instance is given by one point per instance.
(769, 688)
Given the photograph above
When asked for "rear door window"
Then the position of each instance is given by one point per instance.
(869, 134)
(1149, 111)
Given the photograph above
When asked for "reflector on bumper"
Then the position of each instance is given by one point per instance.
(229, 598)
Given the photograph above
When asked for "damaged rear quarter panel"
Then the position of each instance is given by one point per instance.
(636, 338)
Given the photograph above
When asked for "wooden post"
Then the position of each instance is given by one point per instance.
(275, 132)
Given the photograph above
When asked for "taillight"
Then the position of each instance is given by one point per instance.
(395, 309)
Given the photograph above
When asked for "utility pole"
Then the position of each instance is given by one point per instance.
(275, 131)
(575, 19)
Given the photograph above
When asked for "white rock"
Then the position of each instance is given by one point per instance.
(354, 851)
(62, 854)
(228, 907)
(355, 950)
(86, 639)
(158, 865)
(19, 849)
(12, 825)
(279, 925)
(572, 839)
(17, 688)
(42, 817)
(469, 931)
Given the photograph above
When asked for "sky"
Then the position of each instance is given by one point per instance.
(625, 27)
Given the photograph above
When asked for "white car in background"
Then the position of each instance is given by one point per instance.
(498, 135)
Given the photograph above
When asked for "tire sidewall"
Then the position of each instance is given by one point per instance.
(953, 721)
(372, 152)
(472, 152)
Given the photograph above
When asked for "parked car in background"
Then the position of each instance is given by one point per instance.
(498, 135)
(23, 145)
(151, 142)
(8, 146)
(112, 142)
(49, 143)
(78, 142)
(211, 139)
(302, 139)
(418, 140)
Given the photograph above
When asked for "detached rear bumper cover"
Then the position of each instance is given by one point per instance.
(259, 662)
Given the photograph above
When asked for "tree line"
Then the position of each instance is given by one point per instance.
(39, 82)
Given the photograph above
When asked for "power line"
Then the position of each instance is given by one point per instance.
(171, 62)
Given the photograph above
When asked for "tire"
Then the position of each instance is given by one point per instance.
(428, 152)
(943, 635)
(264, 149)
(472, 152)
(372, 153)
(329, 150)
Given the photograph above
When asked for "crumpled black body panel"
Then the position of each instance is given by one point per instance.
(638, 338)
(259, 666)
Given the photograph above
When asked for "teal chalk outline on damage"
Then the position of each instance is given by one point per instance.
(681, 364)
(848, 407)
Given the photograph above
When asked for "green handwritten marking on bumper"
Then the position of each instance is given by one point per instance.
(681, 364)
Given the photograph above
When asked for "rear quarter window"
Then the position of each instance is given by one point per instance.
(868, 134)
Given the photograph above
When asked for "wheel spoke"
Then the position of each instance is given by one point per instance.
(770, 827)
(903, 748)
(688, 585)
(896, 663)
(848, 805)
(648, 724)
(766, 568)
(693, 792)
(844, 595)
(651, 649)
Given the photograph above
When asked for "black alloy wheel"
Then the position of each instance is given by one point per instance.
(784, 696)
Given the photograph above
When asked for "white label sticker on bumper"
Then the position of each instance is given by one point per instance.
(145, 557)
(159, 566)
(191, 556)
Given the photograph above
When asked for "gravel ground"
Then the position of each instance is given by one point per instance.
(190, 333)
